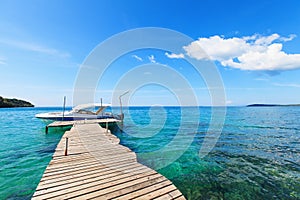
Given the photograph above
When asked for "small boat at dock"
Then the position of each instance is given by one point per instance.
(81, 112)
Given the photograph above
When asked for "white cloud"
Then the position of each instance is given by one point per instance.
(228, 102)
(137, 57)
(35, 48)
(254, 52)
(152, 59)
(262, 79)
(216, 48)
(286, 39)
(265, 40)
(287, 85)
(2, 61)
(173, 55)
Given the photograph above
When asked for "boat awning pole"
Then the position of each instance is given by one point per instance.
(64, 108)
(101, 107)
(121, 108)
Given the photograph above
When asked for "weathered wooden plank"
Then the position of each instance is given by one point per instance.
(175, 194)
(117, 185)
(157, 193)
(72, 171)
(70, 165)
(180, 198)
(144, 190)
(86, 188)
(87, 184)
(87, 177)
(57, 179)
(125, 190)
(170, 195)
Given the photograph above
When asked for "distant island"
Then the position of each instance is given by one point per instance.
(270, 105)
(12, 103)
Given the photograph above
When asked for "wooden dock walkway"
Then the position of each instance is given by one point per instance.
(98, 167)
(90, 121)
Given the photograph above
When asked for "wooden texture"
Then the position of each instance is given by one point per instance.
(89, 121)
(98, 167)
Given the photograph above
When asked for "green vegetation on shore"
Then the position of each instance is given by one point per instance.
(11, 103)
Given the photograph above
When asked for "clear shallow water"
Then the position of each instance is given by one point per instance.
(256, 157)
(25, 151)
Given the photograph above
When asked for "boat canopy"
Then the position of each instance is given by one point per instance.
(90, 105)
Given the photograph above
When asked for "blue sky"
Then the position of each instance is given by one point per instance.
(255, 46)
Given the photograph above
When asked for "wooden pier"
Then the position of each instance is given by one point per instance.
(95, 166)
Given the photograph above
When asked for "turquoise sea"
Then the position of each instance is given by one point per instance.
(257, 156)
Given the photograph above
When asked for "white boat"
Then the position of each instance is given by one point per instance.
(80, 112)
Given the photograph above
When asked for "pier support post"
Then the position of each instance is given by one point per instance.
(106, 126)
(46, 130)
(66, 149)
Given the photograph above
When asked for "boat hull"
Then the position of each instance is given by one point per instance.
(73, 118)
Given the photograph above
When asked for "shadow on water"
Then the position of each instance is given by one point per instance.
(47, 150)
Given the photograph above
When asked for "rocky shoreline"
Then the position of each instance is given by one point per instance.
(12, 103)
